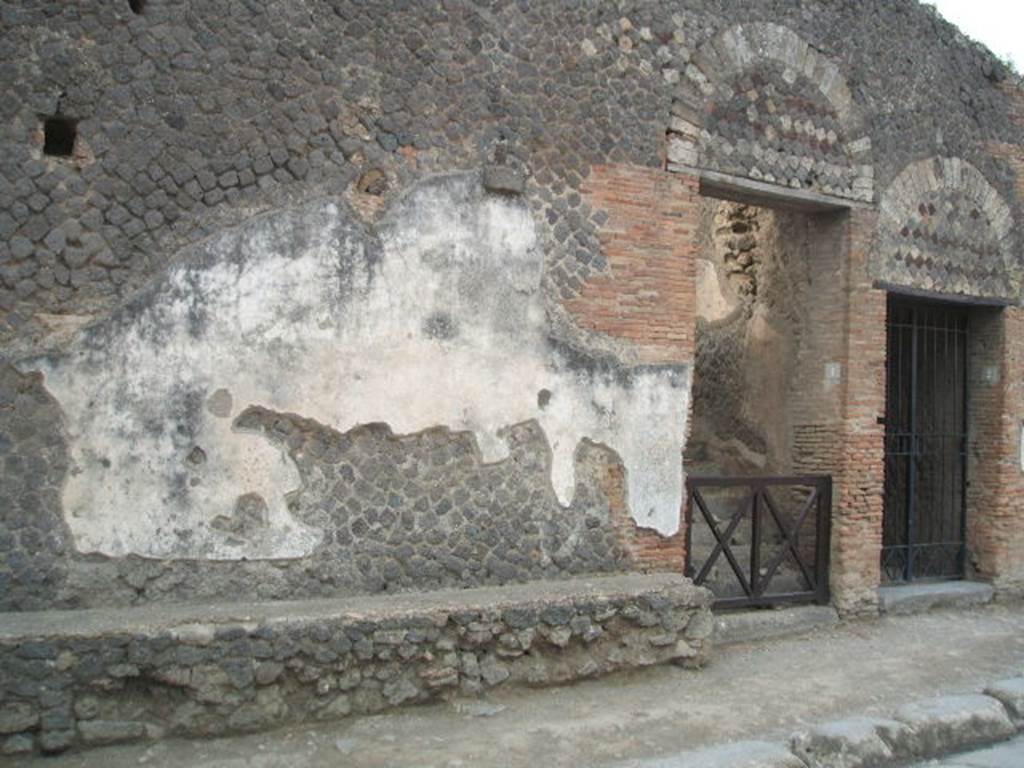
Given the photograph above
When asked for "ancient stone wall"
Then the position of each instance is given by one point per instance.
(437, 243)
(184, 404)
(249, 104)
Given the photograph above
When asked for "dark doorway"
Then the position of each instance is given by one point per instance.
(925, 441)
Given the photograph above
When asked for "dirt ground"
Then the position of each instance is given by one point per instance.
(763, 690)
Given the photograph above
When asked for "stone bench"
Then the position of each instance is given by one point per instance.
(84, 678)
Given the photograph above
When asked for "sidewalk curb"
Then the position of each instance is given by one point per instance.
(924, 729)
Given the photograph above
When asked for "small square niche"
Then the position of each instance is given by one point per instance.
(59, 134)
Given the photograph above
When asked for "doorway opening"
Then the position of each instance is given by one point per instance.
(926, 436)
(766, 401)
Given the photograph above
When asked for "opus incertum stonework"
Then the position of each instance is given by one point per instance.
(337, 299)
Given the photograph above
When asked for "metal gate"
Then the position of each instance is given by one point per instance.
(925, 441)
(772, 533)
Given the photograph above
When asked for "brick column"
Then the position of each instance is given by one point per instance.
(857, 500)
(995, 510)
(648, 299)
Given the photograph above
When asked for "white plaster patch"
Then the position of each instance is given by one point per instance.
(294, 312)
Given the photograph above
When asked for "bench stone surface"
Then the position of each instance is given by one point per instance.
(87, 678)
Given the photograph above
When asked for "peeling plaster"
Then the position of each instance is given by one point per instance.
(439, 320)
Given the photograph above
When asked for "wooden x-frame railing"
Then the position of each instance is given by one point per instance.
(757, 503)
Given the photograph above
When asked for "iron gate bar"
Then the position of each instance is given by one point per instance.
(756, 503)
(755, 546)
(791, 536)
(721, 546)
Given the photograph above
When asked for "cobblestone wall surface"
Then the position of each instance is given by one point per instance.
(34, 539)
(190, 115)
(401, 512)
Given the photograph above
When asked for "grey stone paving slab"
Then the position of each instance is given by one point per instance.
(741, 754)
(917, 598)
(852, 743)
(952, 723)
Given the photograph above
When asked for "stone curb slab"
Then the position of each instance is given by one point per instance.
(851, 743)
(740, 754)
(924, 729)
(951, 723)
(1011, 693)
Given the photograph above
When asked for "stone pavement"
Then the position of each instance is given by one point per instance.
(1007, 755)
(763, 691)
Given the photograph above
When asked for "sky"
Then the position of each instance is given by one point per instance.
(996, 23)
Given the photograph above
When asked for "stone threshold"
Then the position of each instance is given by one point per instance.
(905, 599)
(747, 626)
(772, 623)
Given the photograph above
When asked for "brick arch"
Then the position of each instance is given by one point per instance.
(943, 227)
(760, 102)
